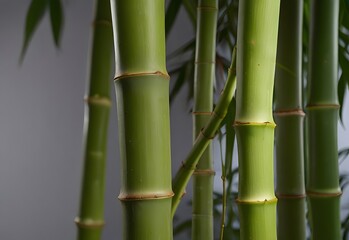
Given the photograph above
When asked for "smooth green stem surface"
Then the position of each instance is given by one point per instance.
(289, 116)
(90, 221)
(208, 132)
(142, 92)
(322, 116)
(205, 55)
(254, 125)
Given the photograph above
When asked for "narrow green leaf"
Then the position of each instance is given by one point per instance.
(342, 86)
(56, 14)
(171, 14)
(35, 14)
(190, 8)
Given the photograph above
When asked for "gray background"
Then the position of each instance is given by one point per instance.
(41, 116)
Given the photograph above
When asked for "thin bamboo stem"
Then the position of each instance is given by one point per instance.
(90, 221)
(322, 110)
(289, 118)
(207, 134)
(142, 90)
(202, 215)
(254, 125)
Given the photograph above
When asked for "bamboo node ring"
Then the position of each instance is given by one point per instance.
(289, 112)
(89, 223)
(323, 106)
(290, 196)
(97, 100)
(322, 194)
(147, 196)
(202, 133)
(138, 74)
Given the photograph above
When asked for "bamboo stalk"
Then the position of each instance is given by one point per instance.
(289, 118)
(207, 134)
(142, 90)
(90, 221)
(202, 215)
(323, 178)
(254, 125)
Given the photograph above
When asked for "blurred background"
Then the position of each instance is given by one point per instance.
(41, 126)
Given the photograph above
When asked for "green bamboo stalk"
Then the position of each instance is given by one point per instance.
(207, 134)
(204, 72)
(289, 119)
(90, 221)
(142, 91)
(323, 178)
(254, 125)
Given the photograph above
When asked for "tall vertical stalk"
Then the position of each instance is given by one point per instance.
(142, 91)
(254, 125)
(90, 221)
(322, 110)
(289, 119)
(202, 217)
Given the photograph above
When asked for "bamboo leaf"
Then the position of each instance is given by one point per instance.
(342, 86)
(190, 7)
(35, 14)
(171, 14)
(56, 14)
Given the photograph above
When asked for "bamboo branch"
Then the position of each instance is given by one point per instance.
(207, 134)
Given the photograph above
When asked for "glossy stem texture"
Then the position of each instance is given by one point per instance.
(323, 188)
(90, 221)
(254, 125)
(205, 55)
(142, 92)
(289, 118)
(206, 135)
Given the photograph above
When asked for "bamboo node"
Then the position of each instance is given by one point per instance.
(290, 196)
(322, 194)
(140, 197)
(219, 116)
(202, 133)
(138, 74)
(89, 223)
(289, 112)
(323, 106)
(265, 201)
(204, 172)
(98, 100)
(266, 124)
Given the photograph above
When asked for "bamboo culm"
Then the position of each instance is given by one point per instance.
(254, 124)
(289, 117)
(205, 54)
(90, 221)
(142, 96)
(207, 134)
(323, 189)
